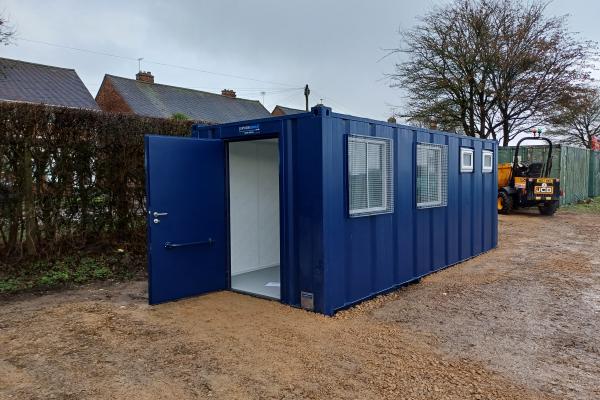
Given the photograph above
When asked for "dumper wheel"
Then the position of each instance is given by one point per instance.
(548, 208)
(505, 203)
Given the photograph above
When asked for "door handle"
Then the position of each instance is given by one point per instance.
(157, 214)
(169, 245)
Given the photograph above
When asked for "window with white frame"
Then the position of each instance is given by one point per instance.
(432, 175)
(370, 178)
(487, 164)
(466, 159)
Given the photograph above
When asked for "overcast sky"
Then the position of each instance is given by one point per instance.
(335, 46)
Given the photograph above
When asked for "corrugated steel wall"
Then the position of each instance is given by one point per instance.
(301, 188)
(577, 168)
(342, 260)
(368, 255)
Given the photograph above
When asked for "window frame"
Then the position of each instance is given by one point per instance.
(439, 149)
(484, 169)
(387, 166)
(467, 168)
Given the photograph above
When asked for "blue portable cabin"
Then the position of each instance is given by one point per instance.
(350, 208)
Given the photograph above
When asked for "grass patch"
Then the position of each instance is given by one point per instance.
(589, 206)
(70, 271)
(9, 285)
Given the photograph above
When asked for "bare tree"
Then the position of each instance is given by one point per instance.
(489, 68)
(577, 117)
(7, 32)
(447, 71)
(538, 60)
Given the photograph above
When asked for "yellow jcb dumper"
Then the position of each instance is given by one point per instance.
(523, 185)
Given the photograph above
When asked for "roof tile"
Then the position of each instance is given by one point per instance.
(288, 110)
(36, 83)
(162, 101)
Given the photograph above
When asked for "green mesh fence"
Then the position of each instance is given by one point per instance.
(594, 174)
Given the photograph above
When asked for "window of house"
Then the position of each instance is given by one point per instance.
(488, 161)
(432, 175)
(466, 159)
(370, 180)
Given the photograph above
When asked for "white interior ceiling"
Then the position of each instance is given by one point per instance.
(254, 204)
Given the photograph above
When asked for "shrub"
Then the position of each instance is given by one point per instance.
(71, 179)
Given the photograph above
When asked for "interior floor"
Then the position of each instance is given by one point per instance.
(263, 282)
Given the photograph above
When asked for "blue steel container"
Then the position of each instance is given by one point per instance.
(330, 261)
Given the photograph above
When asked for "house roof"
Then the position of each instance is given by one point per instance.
(288, 110)
(23, 81)
(162, 101)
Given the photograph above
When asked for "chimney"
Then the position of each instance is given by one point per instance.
(228, 93)
(144, 76)
(392, 120)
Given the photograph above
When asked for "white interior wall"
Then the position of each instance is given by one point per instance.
(254, 204)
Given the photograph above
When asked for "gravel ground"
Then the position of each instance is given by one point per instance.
(520, 322)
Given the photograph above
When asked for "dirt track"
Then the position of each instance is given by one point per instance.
(519, 322)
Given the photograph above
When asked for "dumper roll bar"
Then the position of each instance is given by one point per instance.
(547, 165)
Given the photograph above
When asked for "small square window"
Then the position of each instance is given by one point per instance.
(432, 175)
(370, 180)
(466, 159)
(488, 161)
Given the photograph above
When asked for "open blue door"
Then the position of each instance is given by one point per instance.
(185, 186)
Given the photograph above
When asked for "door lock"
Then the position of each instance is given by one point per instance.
(156, 220)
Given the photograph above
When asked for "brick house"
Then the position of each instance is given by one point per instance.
(27, 82)
(281, 110)
(142, 96)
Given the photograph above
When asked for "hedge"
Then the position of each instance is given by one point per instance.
(70, 178)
